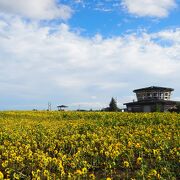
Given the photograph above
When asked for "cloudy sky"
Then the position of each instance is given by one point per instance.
(83, 52)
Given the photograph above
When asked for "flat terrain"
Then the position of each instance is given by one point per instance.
(89, 145)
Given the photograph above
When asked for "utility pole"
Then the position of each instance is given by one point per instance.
(49, 106)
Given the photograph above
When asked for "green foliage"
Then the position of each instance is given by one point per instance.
(158, 108)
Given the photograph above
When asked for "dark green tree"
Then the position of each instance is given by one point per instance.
(113, 105)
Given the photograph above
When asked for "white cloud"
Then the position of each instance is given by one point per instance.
(36, 9)
(78, 1)
(68, 68)
(152, 8)
(93, 97)
(169, 35)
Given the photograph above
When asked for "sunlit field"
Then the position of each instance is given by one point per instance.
(89, 145)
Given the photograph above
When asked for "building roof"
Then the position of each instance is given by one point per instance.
(62, 106)
(154, 88)
(154, 101)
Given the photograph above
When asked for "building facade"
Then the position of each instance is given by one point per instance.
(152, 99)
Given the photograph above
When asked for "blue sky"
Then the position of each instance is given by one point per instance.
(116, 20)
(81, 52)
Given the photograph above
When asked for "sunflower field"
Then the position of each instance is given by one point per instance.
(89, 145)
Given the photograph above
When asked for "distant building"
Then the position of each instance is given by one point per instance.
(61, 107)
(152, 99)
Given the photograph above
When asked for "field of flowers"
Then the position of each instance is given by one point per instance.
(89, 145)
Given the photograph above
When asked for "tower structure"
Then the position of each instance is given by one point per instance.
(49, 106)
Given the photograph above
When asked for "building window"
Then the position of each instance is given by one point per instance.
(149, 95)
(161, 95)
(166, 94)
(155, 94)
